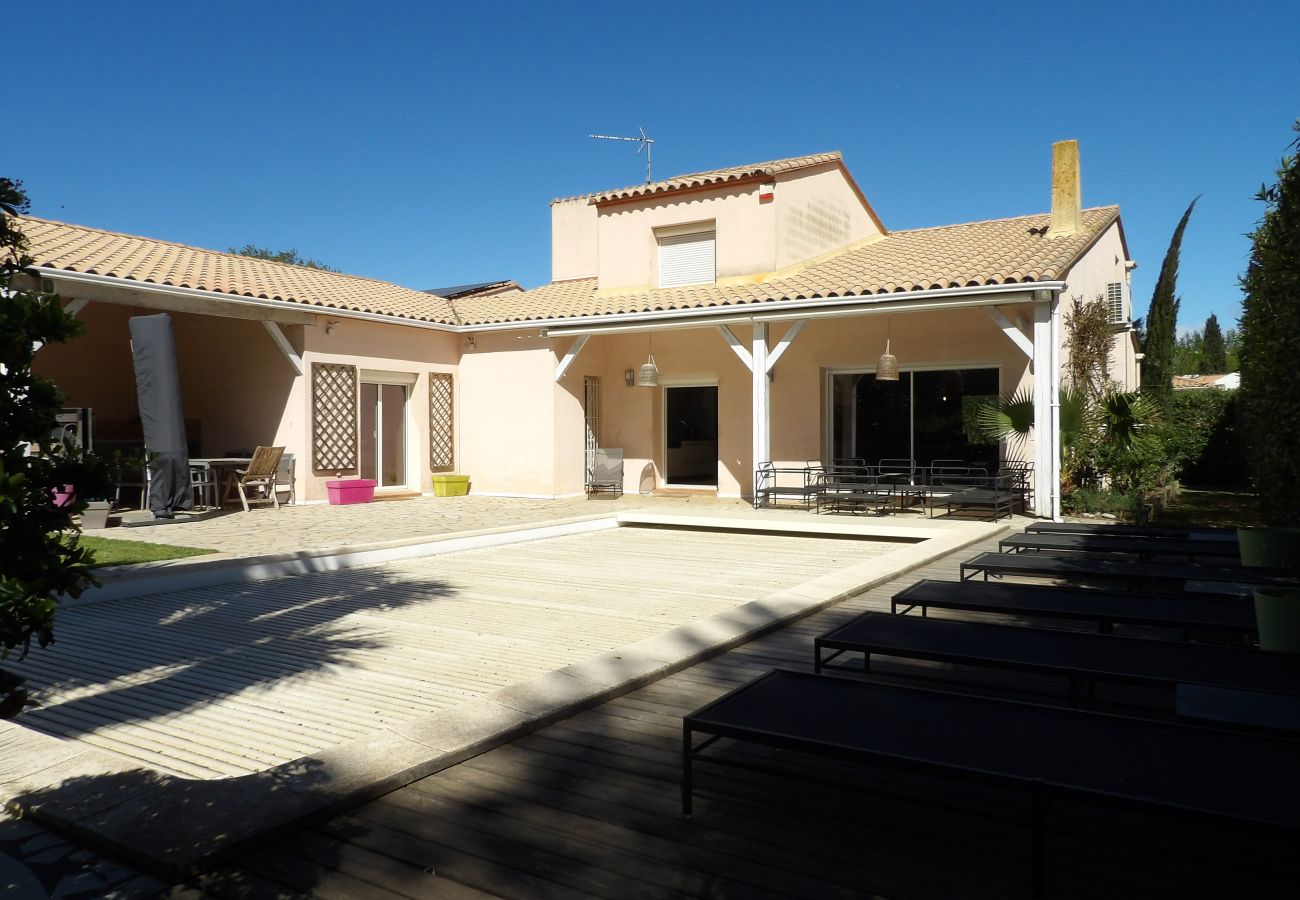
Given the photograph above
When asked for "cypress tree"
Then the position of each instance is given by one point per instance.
(1214, 353)
(1270, 328)
(1162, 322)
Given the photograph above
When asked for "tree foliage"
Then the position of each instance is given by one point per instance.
(1214, 357)
(1191, 353)
(291, 257)
(1270, 325)
(1162, 321)
(38, 560)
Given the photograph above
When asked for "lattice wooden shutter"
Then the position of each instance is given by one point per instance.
(442, 421)
(333, 416)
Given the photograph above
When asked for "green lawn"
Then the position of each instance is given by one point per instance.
(1212, 509)
(109, 552)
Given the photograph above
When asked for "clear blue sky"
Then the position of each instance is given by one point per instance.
(422, 142)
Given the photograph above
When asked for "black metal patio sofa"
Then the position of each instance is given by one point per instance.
(774, 483)
(853, 487)
(1080, 658)
(1044, 751)
(1186, 613)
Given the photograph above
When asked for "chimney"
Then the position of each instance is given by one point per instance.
(1067, 198)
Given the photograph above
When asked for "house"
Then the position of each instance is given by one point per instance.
(763, 294)
(1229, 382)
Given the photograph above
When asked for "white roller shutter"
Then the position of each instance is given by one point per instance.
(686, 259)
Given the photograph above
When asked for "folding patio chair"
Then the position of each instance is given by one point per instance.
(284, 478)
(259, 477)
(605, 471)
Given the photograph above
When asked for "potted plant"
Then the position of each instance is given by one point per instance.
(99, 503)
(1277, 609)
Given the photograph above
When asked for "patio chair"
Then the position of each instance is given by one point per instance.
(259, 479)
(284, 478)
(605, 471)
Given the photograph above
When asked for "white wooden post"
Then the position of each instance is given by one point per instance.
(1055, 336)
(762, 426)
(1044, 401)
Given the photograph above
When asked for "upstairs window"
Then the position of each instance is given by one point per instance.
(686, 256)
(1115, 302)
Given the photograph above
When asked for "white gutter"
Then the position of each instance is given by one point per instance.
(237, 299)
(858, 304)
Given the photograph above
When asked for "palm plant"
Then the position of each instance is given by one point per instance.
(1116, 421)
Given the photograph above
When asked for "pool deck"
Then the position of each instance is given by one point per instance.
(208, 718)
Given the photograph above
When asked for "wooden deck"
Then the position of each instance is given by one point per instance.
(228, 680)
(589, 807)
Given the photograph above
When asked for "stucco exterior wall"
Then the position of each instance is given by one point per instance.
(632, 417)
(627, 252)
(817, 212)
(508, 415)
(813, 211)
(234, 381)
(375, 347)
(573, 240)
(239, 387)
(1103, 264)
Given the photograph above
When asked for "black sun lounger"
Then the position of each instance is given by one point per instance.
(1133, 575)
(1043, 750)
(1083, 659)
(1135, 531)
(1211, 552)
(1105, 608)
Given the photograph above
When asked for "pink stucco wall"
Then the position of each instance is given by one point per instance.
(631, 417)
(238, 385)
(377, 348)
(812, 212)
(1103, 264)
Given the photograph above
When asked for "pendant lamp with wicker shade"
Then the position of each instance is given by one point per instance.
(887, 368)
(648, 374)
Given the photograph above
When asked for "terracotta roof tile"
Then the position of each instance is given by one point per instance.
(713, 176)
(75, 248)
(977, 254)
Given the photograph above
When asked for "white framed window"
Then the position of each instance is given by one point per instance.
(1115, 305)
(687, 255)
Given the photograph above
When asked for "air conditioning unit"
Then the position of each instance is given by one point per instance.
(1116, 308)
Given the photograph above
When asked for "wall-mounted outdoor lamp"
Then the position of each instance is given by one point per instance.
(629, 377)
(331, 326)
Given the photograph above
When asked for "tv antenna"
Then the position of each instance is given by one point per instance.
(643, 143)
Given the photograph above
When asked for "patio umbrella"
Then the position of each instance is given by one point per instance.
(158, 389)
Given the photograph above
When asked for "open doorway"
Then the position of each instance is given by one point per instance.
(691, 435)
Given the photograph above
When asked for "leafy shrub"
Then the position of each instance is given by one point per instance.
(1200, 437)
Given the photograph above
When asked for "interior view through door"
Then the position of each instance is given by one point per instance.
(383, 433)
(927, 416)
(691, 435)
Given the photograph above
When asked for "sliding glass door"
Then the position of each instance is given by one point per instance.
(926, 415)
(383, 433)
